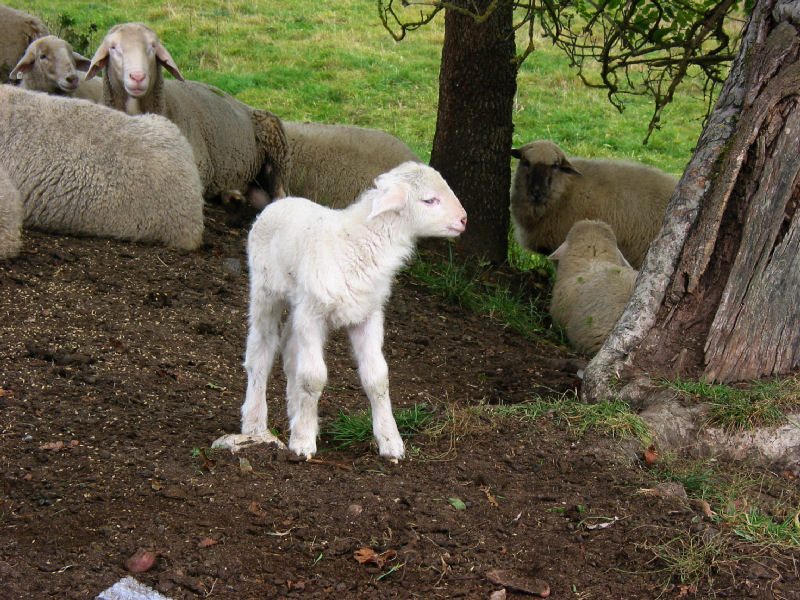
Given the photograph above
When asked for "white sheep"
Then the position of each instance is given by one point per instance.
(17, 30)
(236, 147)
(333, 268)
(551, 192)
(50, 65)
(593, 284)
(82, 168)
(10, 217)
(333, 164)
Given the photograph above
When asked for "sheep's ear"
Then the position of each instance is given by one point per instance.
(81, 62)
(99, 60)
(165, 59)
(24, 65)
(567, 167)
(622, 260)
(392, 199)
(516, 153)
(559, 253)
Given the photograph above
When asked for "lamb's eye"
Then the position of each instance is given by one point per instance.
(432, 201)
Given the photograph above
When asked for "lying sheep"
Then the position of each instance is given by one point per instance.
(593, 284)
(50, 65)
(17, 30)
(551, 192)
(107, 174)
(10, 217)
(333, 268)
(235, 145)
(333, 164)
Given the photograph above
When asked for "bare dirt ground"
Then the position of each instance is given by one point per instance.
(120, 363)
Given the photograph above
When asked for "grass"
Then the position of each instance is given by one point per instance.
(356, 428)
(746, 406)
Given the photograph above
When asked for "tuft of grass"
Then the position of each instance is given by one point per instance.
(747, 406)
(612, 417)
(354, 428)
(470, 288)
(693, 557)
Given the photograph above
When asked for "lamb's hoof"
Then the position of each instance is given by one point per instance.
(237, 441)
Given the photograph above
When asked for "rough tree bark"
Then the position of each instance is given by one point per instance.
(477, 83)
(717, 296)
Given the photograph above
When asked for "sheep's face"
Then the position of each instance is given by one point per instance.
(422, 199)
(56, 63)
(541, 173)
(131, 53)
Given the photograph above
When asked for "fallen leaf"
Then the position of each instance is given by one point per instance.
(368, 555)
(489, 496)
(141, 561)
(6, 393)
(534, 587)
(686, 590)
(52, 446)
(705, 508)
(457, 503)
(651, 455)
(207, 542)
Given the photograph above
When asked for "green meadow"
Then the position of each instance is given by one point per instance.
(333, 62)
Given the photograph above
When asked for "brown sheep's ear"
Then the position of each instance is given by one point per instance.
(567, 167)
(559, 253)
(165, 59)
(516, 153)
(622, 260)
(81, 62)
(99, 60)
(24, 65)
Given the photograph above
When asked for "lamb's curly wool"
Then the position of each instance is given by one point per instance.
(86, 169)
(235, 145)
(551, 192)
(17, 30)
(333, 268)
(333, 164)
(593, 284)
(10, 217)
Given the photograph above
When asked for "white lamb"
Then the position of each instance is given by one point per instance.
(593, 284)
(10, 217)
(333, 268)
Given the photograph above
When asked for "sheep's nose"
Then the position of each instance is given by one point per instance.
(72, 79)
(138, 76)
(464, 220)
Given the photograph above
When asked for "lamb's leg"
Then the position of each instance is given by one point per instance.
(262, 345)
(306, 374)
(367, 340)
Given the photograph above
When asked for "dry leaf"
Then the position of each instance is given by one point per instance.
(206, 542)
(651, 455)
(141, 561)
(368, 555)
(6, 393)
(52, 446)
(535, 587)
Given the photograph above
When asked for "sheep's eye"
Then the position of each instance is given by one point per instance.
(43, 57)
(432, 201)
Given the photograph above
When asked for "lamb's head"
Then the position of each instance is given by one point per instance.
(421, 198)
(541, 173)
(591, 240)
(50, 65)
(131, 54)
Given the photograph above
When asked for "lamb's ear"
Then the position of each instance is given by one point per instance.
(24, 65)
(391, 199)
(567, 167)
(81, 62)
(165, 59)
(622, 260)
(99, 60)
(559, 253)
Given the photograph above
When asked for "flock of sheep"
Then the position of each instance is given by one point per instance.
(135, 155)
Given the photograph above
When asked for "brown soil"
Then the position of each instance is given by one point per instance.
(120, 363)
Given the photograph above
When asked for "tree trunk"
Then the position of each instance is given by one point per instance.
(717, 296)
(471, 146)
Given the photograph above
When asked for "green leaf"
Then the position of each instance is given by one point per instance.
(457, 503)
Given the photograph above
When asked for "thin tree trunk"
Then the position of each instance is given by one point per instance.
(471, 146)
(717, 294)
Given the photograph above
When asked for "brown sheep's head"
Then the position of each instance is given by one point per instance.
(540, 163)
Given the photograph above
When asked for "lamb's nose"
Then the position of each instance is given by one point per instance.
(138, 76)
